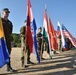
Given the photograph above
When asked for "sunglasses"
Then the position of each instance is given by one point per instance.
(7, 12)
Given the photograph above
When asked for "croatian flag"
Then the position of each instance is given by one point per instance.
(35, 47)
(31, 32)
(28, 27)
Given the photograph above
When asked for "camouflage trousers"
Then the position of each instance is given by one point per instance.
(25, 51)
(40, 49)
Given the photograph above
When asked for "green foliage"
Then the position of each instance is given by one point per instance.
(12, 38)
(16, 39)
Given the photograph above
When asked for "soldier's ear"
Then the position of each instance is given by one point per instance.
(2, 12)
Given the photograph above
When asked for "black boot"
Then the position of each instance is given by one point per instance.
(29, 62)
(22, 61)
(9, 68)
(22, 64)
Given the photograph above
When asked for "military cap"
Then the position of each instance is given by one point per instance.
(6, 9)
(40, 28)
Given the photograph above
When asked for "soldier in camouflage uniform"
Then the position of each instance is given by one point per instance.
(59, 42)
(25, 58)
(40, 42)
(7, 27)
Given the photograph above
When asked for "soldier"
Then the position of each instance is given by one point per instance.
(40, 42)
(7, 27)
(24, 47)
(59, 43)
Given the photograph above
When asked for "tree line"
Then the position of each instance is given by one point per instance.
(15, 40)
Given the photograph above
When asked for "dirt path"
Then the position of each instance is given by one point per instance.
(61, 64)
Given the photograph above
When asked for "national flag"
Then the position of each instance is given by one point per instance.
(34, 28)
(58, 31)
(4, 55)
(69, 36)
(61, 34)
(45, 32)
(31, 32)
(53, 37)
(45, 27)
(28, 27)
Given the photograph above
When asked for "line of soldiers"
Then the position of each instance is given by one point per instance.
(68, 44)
(8, 27)
(25, 48)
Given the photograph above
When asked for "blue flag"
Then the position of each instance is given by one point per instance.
(34, 28)
(4, 55)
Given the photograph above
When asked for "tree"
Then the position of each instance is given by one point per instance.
(15, 38)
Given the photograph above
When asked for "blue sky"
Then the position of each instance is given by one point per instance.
(62, 10)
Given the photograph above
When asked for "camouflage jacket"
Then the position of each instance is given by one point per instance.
(22, 31)
(39, 39)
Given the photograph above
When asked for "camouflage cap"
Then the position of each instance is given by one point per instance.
(6, 10)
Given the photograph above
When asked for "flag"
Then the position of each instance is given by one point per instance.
(45, 32)
(4, 55)
(53, 37)
(34, 28)
(61, 34)
(58, 31)
(69, 36)
(31, 32)
(45, 27)
(28, 27)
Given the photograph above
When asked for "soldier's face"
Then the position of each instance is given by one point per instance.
(25, 23)
(5, 13)
(40, 30)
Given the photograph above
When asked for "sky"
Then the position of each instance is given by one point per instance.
(63, 11)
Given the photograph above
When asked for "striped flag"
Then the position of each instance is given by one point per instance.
(69, 36)
(45, 27)
(4, 55)
(59, 29)
(31, 32)
(46, 32)
(35, 47)
(28, 27)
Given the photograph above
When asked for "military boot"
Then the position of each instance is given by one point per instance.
(9, 68)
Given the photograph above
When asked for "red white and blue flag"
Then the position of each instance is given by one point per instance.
(31, 31)
(35, 47)
(69, 36)
(60, 33)
(28, 27)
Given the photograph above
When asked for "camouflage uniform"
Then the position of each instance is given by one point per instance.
(24, 46)
(59, 43)
(7, 27)
(40, 46)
